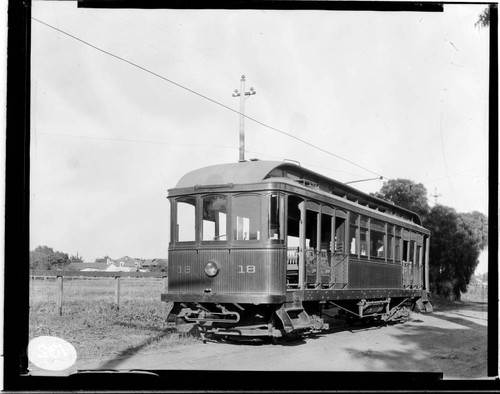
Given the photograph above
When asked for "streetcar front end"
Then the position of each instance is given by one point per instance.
(227, 259)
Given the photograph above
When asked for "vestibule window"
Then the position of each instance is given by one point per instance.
(246, 218)
(276, 217)
(214, 218)
(186, 219)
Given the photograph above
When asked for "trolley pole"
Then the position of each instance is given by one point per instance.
(242, 95)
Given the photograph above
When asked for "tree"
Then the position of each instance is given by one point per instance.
(484, 18)
(76, 259)
(484, 277)
(456, 238)
(405, 193)
(476, 226)
(45, 258)
(454, 251)
(102, 259)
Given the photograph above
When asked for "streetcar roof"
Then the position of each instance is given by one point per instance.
(237, 173)
(256, 171)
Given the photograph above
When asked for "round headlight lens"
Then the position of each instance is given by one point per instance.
(211, 269)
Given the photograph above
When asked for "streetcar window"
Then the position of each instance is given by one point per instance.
(353, 244)
(363, 243)
(377, 244)
(419, 254)
(353, 234)
(405, 251)
(186, 220)
(397, 253)
(398, 244)
(390, 242)
(275, 217)
(412, 251)
(246, 214)
(390, 245)
(214, 218)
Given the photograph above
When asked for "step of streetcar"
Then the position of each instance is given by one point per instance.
(424, 306)
(300, 320)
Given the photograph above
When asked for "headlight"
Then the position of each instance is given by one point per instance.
(211, 269)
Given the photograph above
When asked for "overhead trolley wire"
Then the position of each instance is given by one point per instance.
(205, 97)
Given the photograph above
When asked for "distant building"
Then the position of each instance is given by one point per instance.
(155, 264)
(124, 263)
(150, 263)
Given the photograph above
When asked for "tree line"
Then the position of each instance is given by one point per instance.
(45, 258)
(457, 239)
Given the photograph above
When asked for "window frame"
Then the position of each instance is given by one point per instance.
(261, 214)
(354, 225)
(200, 221)
(174, 236)
(373, 234)
(282, 218)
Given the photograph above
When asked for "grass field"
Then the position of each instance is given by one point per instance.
(93, 324)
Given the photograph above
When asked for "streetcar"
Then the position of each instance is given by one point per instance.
(264, 248)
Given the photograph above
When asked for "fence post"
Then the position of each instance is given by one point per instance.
(117, 292)
(59, 293)
(165, 284)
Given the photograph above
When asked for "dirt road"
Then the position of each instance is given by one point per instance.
(450, 341)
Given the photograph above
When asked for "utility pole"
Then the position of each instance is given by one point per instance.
(436, 195)
(242, 95)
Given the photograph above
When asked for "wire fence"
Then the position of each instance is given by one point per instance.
(119, 278)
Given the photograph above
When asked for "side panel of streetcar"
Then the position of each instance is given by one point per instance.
(240, 271)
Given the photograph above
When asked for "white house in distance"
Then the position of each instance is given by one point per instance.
(124, 264)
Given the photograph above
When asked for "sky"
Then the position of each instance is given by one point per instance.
(119, 111)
